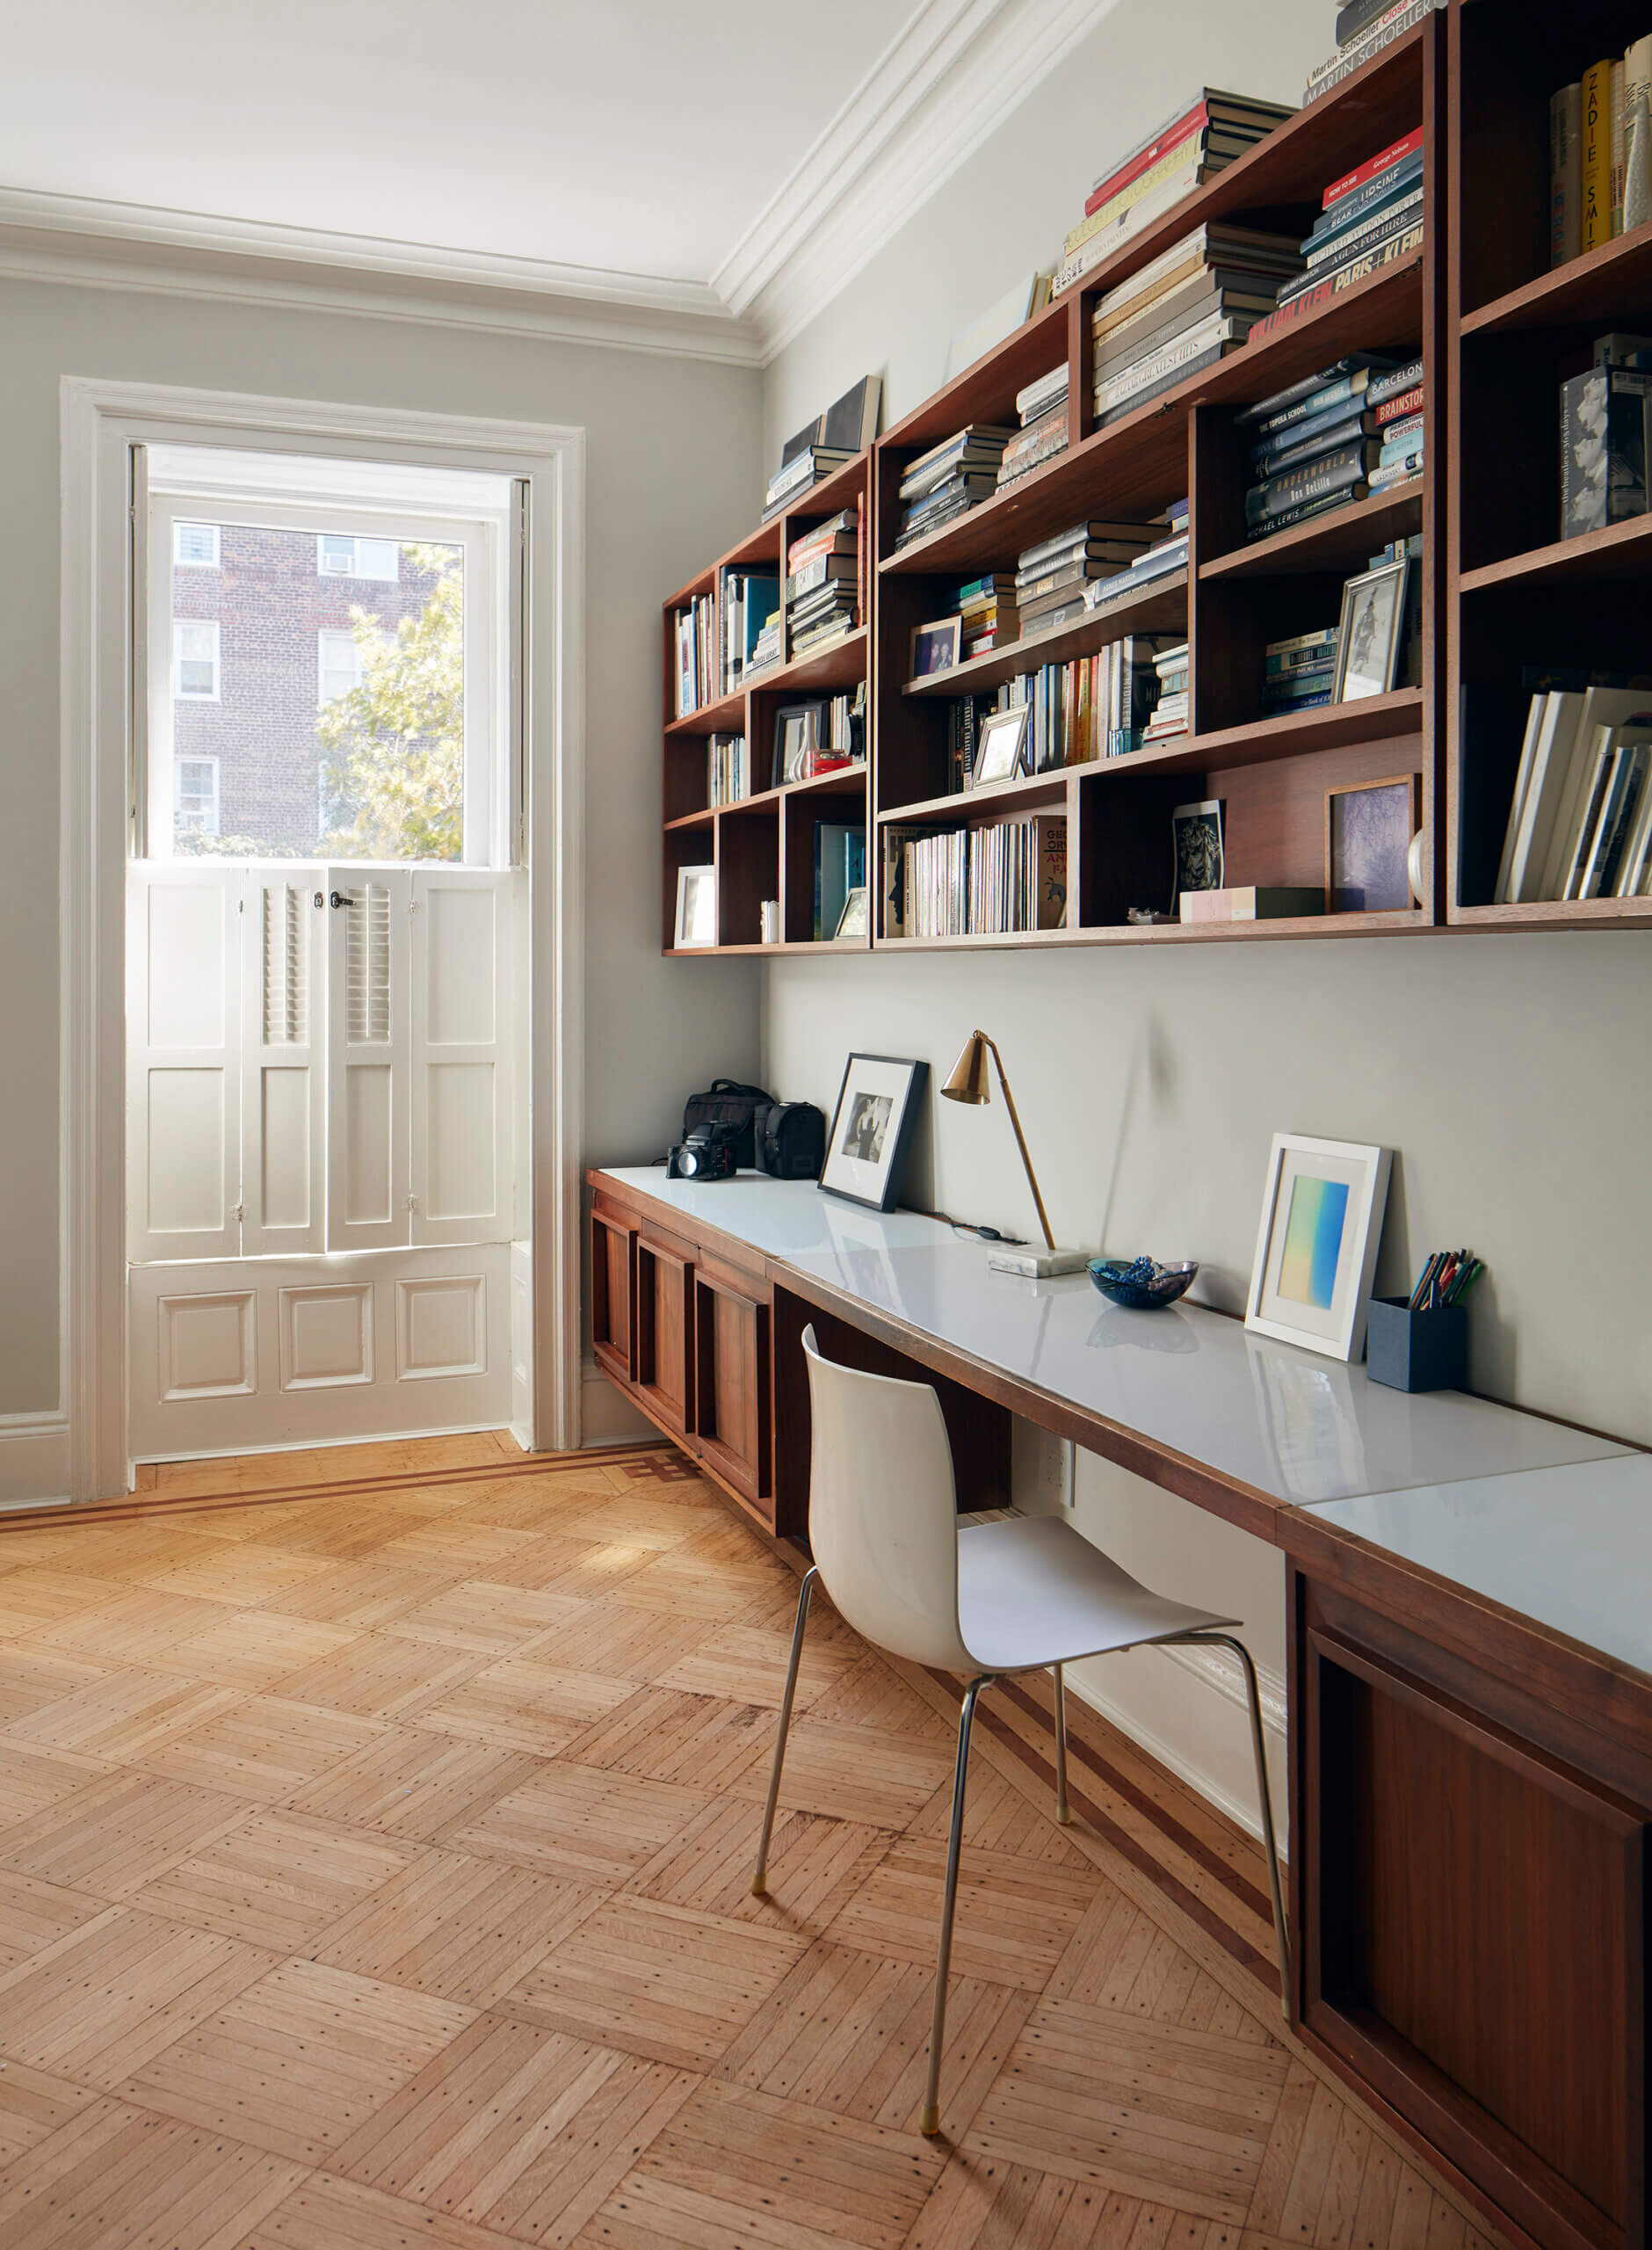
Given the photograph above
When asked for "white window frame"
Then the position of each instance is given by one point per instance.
(213, 823)
(180, 626)
(357, 540)
(334, 633)
(182, 562)
(493, 795)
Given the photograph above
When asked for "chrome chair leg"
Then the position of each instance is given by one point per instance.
(1281, 1935)
(760, 1873)
(930, 2121)
(1061, 1813)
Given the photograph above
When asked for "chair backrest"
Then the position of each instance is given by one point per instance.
(883, 1511)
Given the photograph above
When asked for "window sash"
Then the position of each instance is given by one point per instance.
(195, 660)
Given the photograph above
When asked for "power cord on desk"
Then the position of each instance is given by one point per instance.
(966, 1226)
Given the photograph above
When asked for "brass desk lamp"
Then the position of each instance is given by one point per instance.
(969, 1083)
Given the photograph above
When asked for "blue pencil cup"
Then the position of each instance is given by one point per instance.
(1417, 1351)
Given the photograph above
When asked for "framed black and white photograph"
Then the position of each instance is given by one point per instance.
(1197, 861)
(856, 918)
(1368, 832)
(1371, 629)
(1002, 749)
(696, 907)
(797, 738)
(1316, 1246)
(872, 1129)
(935, 647)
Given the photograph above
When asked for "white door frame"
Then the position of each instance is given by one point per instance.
(99, 423)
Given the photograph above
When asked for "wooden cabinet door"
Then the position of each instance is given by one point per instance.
(614, 1289)
(731, 1386)
(665, 1331)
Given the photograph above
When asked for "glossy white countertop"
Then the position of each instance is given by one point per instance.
(1292, 1425)
(1570, 1546)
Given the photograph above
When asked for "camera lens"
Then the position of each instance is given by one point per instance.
(689, 1164)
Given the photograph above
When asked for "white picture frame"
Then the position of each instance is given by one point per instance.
(696, 908)
(1002, 751)
(1371, 631)
(1316, 1243)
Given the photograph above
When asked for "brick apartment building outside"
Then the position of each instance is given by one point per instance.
(272, 601)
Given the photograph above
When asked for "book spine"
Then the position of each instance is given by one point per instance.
(1308, 482)
(861, 557)
(1154, 366)
(1355, 241)
(1566, 210)
(1361, 39)
(1400, 408)
(1381, 35)
(1194, 123)
(1183, 163)
(1379, 189)
(1382, 388)
(1617, 88)
(1319, 293)
(1594, 163)
(1357, 16)
(1637, 136)
(1385, 159)
(1101, 244)
(1325, 439)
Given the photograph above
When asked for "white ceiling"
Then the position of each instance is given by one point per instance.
(636, 136)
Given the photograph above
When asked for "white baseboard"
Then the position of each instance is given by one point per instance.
(33, 1459)
(606, 1416)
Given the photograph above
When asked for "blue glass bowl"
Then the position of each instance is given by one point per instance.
(1141, 1283)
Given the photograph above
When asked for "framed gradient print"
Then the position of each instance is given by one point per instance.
(1316, 1246)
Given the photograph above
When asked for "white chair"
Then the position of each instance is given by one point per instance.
(1024, 1595)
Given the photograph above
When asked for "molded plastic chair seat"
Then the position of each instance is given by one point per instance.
(1033, 1592)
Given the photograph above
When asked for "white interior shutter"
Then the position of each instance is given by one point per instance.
(284, 1062)
(183, 1060)
(367, 1073)
(461, 1046)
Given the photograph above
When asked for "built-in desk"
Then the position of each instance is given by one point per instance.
(1470, 1656)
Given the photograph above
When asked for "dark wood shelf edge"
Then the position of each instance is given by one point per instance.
(1411, 921)
(1585, 288)
(1569, 558)
(1263, 557)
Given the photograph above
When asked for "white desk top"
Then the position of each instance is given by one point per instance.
(1289, 1424)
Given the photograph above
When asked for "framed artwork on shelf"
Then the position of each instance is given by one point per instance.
(872, 1129)
(1371, 632)
(1316, 1246)
(797, 739)
(696, 907)
(935, 647)
(1196, 859)
(1369, 826)
(1001, 754)
(856, 918)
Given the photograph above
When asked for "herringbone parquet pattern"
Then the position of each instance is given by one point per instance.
(375, 1870)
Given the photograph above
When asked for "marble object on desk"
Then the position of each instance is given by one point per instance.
(1569, 1546)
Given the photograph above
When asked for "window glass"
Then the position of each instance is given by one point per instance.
(194, 661)
(340, 555)
(339, 665)
(195, 794)
(195, 545)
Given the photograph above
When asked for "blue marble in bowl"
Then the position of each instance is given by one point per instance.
(1141, 1284)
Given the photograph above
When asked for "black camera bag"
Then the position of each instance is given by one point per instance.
(731, 1103)
(790, 1139)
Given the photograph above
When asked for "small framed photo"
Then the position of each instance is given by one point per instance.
(1368, 832)
(1001, 751)
(1196, 856)
(696, 907)
(1316, 1246)
(797, 740)
(935, 647)
(856, 918)
(1371, 631)
(872, 1129)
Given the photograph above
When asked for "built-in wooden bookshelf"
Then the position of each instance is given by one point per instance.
(1271, 772)
(1520, 597)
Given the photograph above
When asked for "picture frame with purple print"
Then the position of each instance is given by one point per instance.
(1368, 830)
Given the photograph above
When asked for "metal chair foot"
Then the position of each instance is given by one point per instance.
(930, 2123)
(1064, 1814)
(1258, 1748)
(760, 1873)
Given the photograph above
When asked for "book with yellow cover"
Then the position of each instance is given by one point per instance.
(1596, 168)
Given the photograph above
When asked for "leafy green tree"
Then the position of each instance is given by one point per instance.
(394, 747)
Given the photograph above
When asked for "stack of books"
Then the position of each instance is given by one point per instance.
(1051, 579)
(696, 656)
(799, 473)
(950, 478)
(822, 581)
(1192, 305)
(1316, 445)
(1396, 402)
(1206, 133)
(768, 649)
(750, 599)
(1580, 821)
(1170, 718)
(960, 882)
(1167, 555)
(1364, 28)
(987, 608)
(1600, 153)
(1043, 407)
(822, 446)
(1604, 418)
(1302, 672)
(1371, 217)
(727, 770)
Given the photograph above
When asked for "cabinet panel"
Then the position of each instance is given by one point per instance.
(665, 1331)
(731, 1387)
(613, 1281)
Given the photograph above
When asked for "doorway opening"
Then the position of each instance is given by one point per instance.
(329, 1212)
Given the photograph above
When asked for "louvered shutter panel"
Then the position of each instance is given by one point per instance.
(462, 1042)
(367, 1089)
(183, 1060)
(284, 1074)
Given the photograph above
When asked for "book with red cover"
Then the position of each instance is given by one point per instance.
(1194, 122)
(1395, 153)
(1397, 410)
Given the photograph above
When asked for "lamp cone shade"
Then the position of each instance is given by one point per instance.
(968, 1081)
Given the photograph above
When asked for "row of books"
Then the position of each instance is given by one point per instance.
(957, 882)
(1369, 218)
(825, 582)
(1580, 823)
(727, 770)
(824, 446)
(1604, 418)
(1300, 672)
(1161, 560)
(1348, 429)
(1200, 138)
(1364, 28)
(697, 657)
(988, 616)
(750, 613)
(1187, 308)
(1041, 409)
(1172, 702)
(1600, 153)
(1090, 707)
(950, 478)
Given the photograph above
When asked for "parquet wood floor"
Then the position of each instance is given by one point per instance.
(376, 1829)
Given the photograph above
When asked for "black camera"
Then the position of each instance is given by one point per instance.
(706, 1153)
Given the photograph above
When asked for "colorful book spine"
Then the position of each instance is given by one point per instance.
(1401, 246)
(1395, 153)
(1594, 163)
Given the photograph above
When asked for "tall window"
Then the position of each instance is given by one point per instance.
(195, 795)
(339, 665)
(195, 660)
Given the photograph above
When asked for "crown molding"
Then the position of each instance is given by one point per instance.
(100, 244)
(955, 72)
